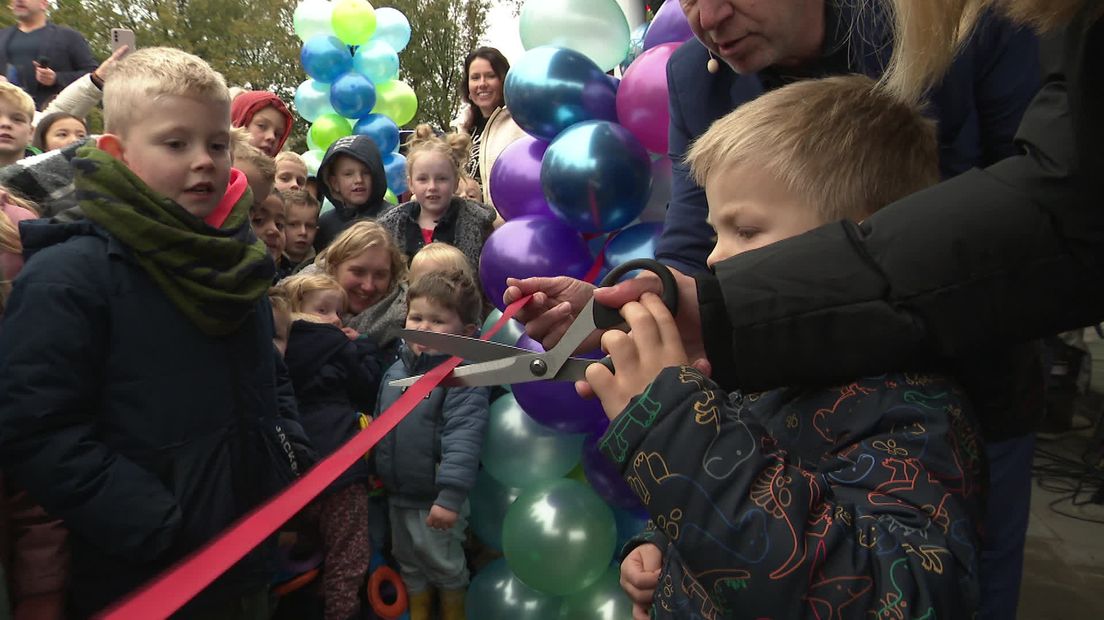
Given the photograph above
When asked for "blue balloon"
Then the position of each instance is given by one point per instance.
(312, 99)
(636, 241)
(382, 130)
(392, 28)
(376, 61)
(596, 176)
(352, 95)
(325, 58)
(551, 89)
(394, 166)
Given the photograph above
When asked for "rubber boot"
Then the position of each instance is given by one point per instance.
(421, 605)
(452, 604)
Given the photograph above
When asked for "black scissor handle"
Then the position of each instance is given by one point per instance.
(608, 318)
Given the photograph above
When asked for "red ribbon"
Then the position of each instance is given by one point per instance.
(170, 590)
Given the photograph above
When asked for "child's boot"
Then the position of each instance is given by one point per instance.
(421, 605)
(452, 604)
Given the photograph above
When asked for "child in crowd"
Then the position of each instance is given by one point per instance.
(335, 377)
(12, 211)
(301, 227)
(807, 501)
(429, 462)
(469, 188)
(164, 257)
(266, 118)
(16, 111)
(268, 219)
(352, 178)
(433, 166)
(59, 130)
(291, 172)
(259, 169)
(438, 256)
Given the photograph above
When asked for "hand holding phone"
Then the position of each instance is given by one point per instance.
(121, 37)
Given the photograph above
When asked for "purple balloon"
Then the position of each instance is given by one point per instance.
(642, 105)
(529, 247)
(669, 26)
(515, 180)
(556, 404)
(606, 480)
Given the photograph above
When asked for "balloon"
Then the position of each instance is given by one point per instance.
(556, 404)
(313, 159)
(326, 205)
(325, 58)
(312, 99)
(595, 28)
(495, 593)
(602, 600)
(636, 241)
(394, 166)
(397, 101)
(376, 61)
(489, 500)
(312, 18)
(669, 26)
(382, 130)
(519, 453)
(510, 332)
(329, 128)
(515, 179)
(656, 209)
(550, 89)
(390, 197)
(392, 28)
(353, 21)
(530, 246)
(636, 46)
(558, 537)
(352, 95)
(642, 99)
(605, 478)
(596, 176)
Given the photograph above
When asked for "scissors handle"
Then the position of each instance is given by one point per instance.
(608, 318)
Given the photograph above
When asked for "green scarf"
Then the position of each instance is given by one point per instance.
(214, 276)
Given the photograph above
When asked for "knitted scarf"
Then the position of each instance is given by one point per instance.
(213, 275)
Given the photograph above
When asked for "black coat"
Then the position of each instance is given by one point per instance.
(332, 223)
(1008, 253)
(69, 57)
(145, 435)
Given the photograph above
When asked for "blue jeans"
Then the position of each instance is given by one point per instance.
(1006, 516)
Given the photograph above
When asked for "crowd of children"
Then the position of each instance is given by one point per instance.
(198, 334)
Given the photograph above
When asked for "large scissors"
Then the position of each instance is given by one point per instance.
(501, 364)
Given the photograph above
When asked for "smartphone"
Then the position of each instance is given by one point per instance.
(121, 37)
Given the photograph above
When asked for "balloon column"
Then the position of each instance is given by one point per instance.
(351, 55)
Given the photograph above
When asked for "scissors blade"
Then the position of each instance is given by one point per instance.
(471, 349)
(580, 329)
(505, 371)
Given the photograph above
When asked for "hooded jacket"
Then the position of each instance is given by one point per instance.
(332, 223)
(249, 103)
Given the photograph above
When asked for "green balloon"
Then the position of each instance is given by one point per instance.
(312, 18)
(329, 128)
(495, 593)
(559, 537)
(397, 101)
(520, 453)
(354, 21)
(510, 333)
(390, 196)
(489, 501)
(602, 600)
(597, 29)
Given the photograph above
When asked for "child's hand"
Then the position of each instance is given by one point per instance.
(441, 518)
(640, 576)
(652, 344)
(351, 333)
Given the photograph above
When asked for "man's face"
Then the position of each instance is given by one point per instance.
(23, 9)
(751, 35)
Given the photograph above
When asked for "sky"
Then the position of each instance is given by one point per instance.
(502, 26)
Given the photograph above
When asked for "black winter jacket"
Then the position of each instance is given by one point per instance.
(67, 52)
(332, 223)
(145, 435)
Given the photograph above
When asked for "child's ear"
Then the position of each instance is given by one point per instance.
(470, 329)
(112, 145)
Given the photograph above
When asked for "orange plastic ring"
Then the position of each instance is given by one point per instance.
(375, 598)
(298, 582)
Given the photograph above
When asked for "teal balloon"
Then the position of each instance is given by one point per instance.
(558, 537)
(325, 58)
(597, 29)
(510, 332)
(376, 61)
(495, 593)
(550, 89)
(602, 600)
(392, 28)
(353, 95)
(326, 205)
(521, 453)
(312, 18)
(489, 500)
(312, 99)
(313, 159)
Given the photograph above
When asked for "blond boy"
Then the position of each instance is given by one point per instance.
(301, 227)
(16, 113)
(291, 172)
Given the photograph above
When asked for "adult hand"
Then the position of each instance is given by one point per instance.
(640, 576)
(441, 518)
(689, 316)
(555, 304)
(44, 75)
(105, 67)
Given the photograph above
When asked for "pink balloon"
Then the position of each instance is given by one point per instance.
(642, 98)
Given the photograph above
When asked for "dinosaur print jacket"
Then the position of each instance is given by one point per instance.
(854, 501)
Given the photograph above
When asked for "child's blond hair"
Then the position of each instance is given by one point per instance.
(241, 151)
(454, 290)
(145, 75)
(283, 156)
(17, 98)
(444, 256)
(296, 288)
(841, 144)
(281, 303)
(354, 241)
(299, 198)
(454, 146)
